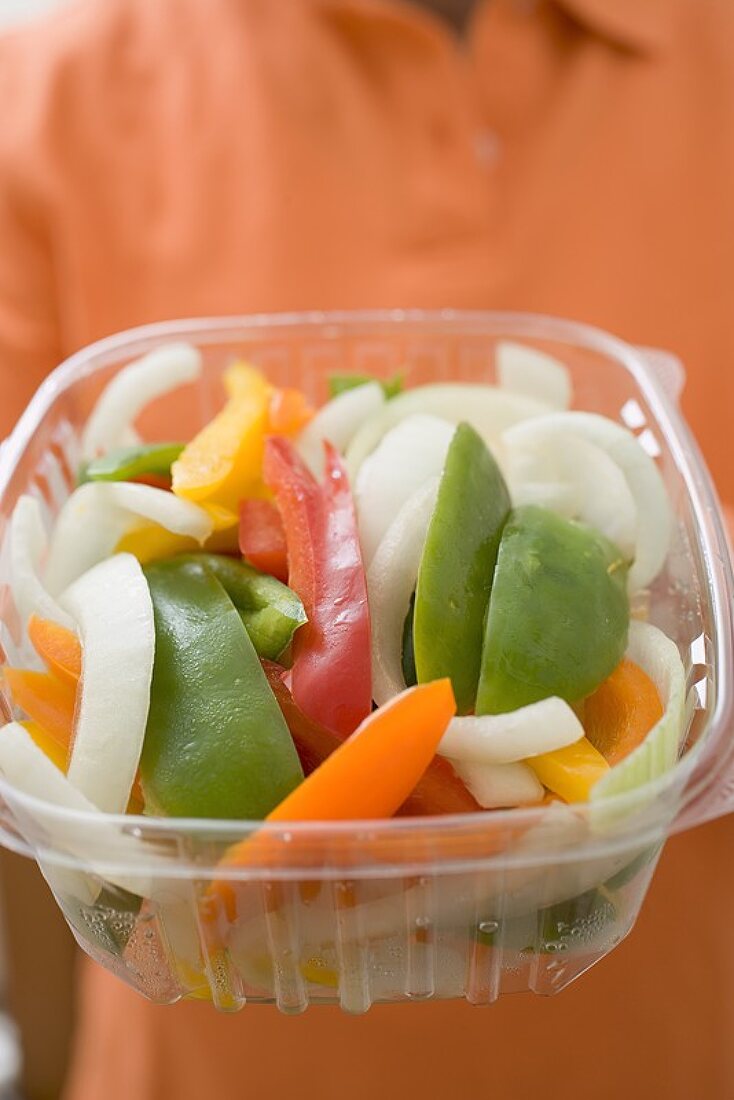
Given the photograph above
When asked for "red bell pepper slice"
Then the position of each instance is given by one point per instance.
(262, 538)
(439, 791)
(332, 675)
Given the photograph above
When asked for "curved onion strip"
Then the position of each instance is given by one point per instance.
(658, 656)
(28, 546)
(506, 738)
(535, 374)
(405, 458)
(654, 517)
(488, 409)
(338, 421)
(92, 843)
(113, 610)
(97, 515)
(391, 582)
(124, 398)
(598, 493)
(496, 786)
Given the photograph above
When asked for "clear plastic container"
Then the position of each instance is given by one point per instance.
(471, 906)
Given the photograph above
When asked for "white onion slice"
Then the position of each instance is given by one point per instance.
(98, 514)
(92, 841)
(405, 458)
(28, 547)
(498, 786)
(338, 421)
(123, 399)
(535, 374)
(658, 656)
(505, 738)
(536, 461)
(391, 581)
(113, 610)
(488, 409)
(654, 516)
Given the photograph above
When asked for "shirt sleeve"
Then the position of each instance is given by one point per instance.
(29, 336)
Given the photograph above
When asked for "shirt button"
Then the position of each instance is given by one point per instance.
(486, 148)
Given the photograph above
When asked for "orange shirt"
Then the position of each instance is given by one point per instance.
(574, 157)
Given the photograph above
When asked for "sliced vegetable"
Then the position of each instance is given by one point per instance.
(133, 463)
(405, 458)
(331, 678)
(124, 398)
(506, 738)
(52, 700)
(654, 517)
(223, 463)
(571, 772)
(340, 383)
(97, 516)
(498, 786)
(271, 612)
(47, 701)
(49, 746)
(558, 614)
(28, 548)
(372, 773)
(658, 657)
(216, 743)
(262, 538)
(621, 712)
(58, 648)
(84, 833)
(114, 614)
(337, 422)
(288, 412)
(439, 791)
(457, 567)
(533, 373)
(597, 493)
(391, 581)
(408, 649)
(488, 409)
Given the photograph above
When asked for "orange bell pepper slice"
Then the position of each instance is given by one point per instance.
(289, 412)
(58, 648)
(622, 711)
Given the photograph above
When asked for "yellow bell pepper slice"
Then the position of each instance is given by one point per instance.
(54, 750)
(151, 542)
(223, 463)
(570, 772)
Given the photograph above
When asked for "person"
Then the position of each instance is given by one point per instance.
(573, 157)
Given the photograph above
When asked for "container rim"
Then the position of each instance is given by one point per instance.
(694, 776)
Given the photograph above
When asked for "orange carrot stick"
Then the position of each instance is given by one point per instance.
(58, 648)
(621, 712)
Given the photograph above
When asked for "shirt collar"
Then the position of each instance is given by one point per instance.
(641, 25)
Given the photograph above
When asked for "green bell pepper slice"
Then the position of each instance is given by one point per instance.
(127, 463)
(558, 614)
(457, 566)
(340, 383)
(216, 743)
(270, 610)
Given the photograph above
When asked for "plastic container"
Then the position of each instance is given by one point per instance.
(471, 906)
